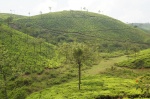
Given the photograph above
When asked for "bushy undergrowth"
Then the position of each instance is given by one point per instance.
(23, 85)
(92, 87)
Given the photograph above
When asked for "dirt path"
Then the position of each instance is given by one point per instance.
(103, 65)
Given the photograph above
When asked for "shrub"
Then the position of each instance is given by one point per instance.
(19, 93)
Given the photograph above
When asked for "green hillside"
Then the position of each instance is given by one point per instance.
(137, 60)
(4, 16)
(29, 49)
(106, 33)
(29, 64)
(44, 56)
(22, 59)
(93, 87)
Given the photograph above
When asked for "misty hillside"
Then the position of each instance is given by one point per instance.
(143, 26)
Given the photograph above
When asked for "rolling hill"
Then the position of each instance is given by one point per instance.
(29, 54)
(4, 16)
(94, 29)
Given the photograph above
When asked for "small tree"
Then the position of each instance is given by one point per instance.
(135, 49)
(78, 54)
(50, 8)
(84, 8)
(83, 55)
(65, 50)
(9, 20)
(40, 41)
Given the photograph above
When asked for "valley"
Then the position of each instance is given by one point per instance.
(72, 55)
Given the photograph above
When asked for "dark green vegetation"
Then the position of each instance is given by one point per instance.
(47, 54)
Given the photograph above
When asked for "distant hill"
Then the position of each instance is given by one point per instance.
(94, 29)
(143, 26)
(6, 15)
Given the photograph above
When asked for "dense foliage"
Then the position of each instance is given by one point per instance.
(93, 87)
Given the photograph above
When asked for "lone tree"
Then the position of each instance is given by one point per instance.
(79, 54)
(50, 8)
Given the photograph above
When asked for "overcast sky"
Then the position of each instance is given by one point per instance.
(125, 10)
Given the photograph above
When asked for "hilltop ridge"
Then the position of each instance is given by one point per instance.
(81, 26)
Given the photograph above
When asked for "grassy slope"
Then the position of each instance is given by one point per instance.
(36, 69)
(103, 65)
(110, 83)
(32, 66)
(91, 88)
(83, 27)
(138, 60)
(27, 47)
